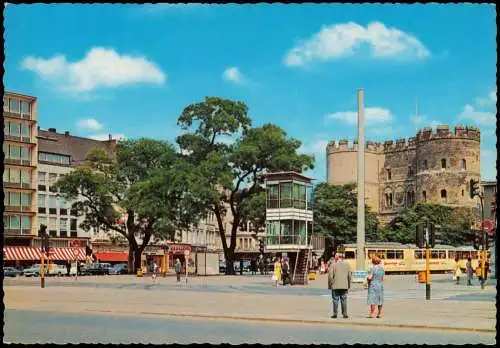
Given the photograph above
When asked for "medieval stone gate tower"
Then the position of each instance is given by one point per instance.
(432, 166)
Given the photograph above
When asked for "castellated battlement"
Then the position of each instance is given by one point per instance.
(402, 144)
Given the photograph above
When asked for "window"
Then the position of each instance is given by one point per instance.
(395, 254)
(15, 129)
(52, 223)
(6, 104)
(424, 196)
(15, 151)
(25, 130)
(72, 225)
(389, 176)
(41, 177)
(419, 254)
(63, 225)
(15, 106)
(443, 195)
(15, 222)
(25, 177)
(463, 164)
(286, 195)
(390, 199)
(349, 255)
(410, 170)
(14, 175)
(463, 192)
(52, 201)
(425, 167)
(6, 175)
(26, 199)
(15, 199)
(25, 222)
(25, 153)
(25, 108)
(443, 163)
(41, 200)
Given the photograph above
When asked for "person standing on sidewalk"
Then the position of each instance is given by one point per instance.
(277, 271)
(376, 287)
(286, 272)
(458, 271)
(339, 282)
(154, 268)
(178, 268)
(470, 271)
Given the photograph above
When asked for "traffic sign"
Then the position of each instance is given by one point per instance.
(488, 225)
(76, 252)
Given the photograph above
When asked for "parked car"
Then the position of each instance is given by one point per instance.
(57, 270)
(121, 268)
(11, 272)
(222, 266)
(34, 271)
(98, 269)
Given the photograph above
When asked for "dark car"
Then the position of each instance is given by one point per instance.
(121, 268)
(11, 272)
(222, 266)
(97, 269)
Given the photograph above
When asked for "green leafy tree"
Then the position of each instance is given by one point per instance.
(228, 175)
(141, 194)
(335, 213)
(454, 222)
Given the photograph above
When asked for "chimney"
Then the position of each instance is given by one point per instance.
(53, 130)
(66, 134)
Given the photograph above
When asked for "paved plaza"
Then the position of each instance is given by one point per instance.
(247, 301)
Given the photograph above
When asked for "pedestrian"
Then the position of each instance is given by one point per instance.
(154, 268)
(469, 270)
(261, 265)
(76, 267)
(339, 282)
(241, 266)
(68, 268)
(266, 265)
(376, 287)
(458, 271)
(285, 271)
(178, 268)
(253, 266)
(277, 271)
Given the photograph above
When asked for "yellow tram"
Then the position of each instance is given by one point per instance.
(404, 258)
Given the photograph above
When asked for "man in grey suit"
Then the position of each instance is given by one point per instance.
(339, 281)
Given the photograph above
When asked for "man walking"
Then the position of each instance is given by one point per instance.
(285, 271)
(339, 281)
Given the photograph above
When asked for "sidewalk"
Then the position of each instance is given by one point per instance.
(434, 314)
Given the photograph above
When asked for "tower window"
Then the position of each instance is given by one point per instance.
(425, 165)
(390, 199)
(463, 164)
(443, 163)
(463, 192)
(410, 170)
(389, 176)
(424, 195)
(443, 195)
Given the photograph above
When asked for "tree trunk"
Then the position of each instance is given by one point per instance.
(137, 261)
(229, 256)
(130, 260)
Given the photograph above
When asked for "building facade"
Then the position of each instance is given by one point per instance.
(20, 163)
(58, 155)
(434, 167)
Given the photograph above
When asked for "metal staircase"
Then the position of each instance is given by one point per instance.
(301, 267)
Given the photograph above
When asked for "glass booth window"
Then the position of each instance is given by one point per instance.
(25, 108)
(273, 196)
(26, 222)
(299, 196)
(26, 199)
(286, 195)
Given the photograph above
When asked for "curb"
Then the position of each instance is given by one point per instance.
(298, 321)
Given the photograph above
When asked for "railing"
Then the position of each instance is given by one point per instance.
(18, 208)
(286, 239)
(317, 242)
(17, 161)
(286, 203)
(16, 185)
(17, 231)
(17, 115)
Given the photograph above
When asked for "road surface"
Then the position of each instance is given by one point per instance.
(28, 327)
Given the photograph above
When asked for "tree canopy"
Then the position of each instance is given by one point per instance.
(228, 175)
(141, 194)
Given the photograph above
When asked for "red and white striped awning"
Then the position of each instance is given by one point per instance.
(21, 254)
(33, 254)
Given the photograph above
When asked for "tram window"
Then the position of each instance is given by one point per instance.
(473, 255)
(382, 254)
(452, 254)
(434, 254)
(442, 254)
(350, 255)
(419, 254)
(394, 254)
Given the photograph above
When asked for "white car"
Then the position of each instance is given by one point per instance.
(57, 270)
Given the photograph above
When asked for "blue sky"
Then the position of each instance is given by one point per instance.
(129, 70)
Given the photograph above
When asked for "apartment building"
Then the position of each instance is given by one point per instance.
(20, 163)
(58, 154)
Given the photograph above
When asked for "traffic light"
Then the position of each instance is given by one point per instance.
(420, 240)
(261, 246)
(434, 235)
(473, 188)
(88, 251)
(42, 232)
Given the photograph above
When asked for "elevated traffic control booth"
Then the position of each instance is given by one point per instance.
(289, 220)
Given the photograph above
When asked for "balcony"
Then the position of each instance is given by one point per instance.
(22, 139)
(17, 185)
(16, 115)
(18, 209)
(18, 231)
(17, 161)
(286, 239)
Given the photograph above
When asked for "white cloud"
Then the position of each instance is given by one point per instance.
(343, 40)
(482, 118)
(493, 95)
(100, 68)
(234, 75)
(424, 121)
(489, 101)
(90, 124)
(316, 147)
(103, 136)
(372, 115)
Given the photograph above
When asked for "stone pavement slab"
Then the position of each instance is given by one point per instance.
(437, 314)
